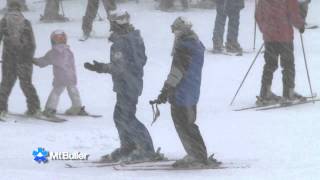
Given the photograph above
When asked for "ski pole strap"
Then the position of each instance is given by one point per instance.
(155, 111)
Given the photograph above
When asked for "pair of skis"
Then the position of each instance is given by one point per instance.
(280, 104)
(225, 52)
(165, 165)
(55, 119)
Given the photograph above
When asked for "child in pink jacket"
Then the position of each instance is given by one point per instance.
(64, 72)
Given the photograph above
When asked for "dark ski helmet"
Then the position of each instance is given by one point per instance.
(14, 5)
(181, 24)
(58, 37)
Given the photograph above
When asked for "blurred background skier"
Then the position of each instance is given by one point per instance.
(64, 71)
(227, 9)
(182, 89)
(276, 20)
(167, 5)
(91, 13)
(126, 68)
(22, 3)
(51, 12)
(18, 50)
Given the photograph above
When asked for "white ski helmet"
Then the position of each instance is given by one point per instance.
(120, 17)
(58, 37)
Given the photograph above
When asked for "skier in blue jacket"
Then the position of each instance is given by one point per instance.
(126, 68)
(182, 89)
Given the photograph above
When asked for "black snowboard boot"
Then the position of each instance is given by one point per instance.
(267, 96)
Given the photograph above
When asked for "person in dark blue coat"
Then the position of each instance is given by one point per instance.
(227, 9)
(182, 89)
(126, 67)
(166, 5)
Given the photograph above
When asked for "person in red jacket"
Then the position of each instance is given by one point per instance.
(276, 20)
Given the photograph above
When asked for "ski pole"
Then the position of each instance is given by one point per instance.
(155, 110)
(306, 65)
(255, 28)
(245, 77)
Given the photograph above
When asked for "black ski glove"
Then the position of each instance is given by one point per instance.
(166, 92)
(301, 30)
(96, 66)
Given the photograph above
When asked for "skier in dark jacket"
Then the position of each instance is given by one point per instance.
(22, 3)
(276, 20)
(51, 12)
(166, 5)
(230, 9)
(126, 68)
(182, 89)
(18, 50)
(91, 13)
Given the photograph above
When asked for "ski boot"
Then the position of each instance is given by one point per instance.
(50, 113)
(189, 162)
(76, 111)
(217, 48)
(3, 114)
(139, 155)
(234, 47)
(267, 97)
(33, 113)
(116, 156)
(212, 162)
(291, 95)
(85, 36)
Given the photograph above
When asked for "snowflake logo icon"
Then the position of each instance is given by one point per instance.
(40, 155)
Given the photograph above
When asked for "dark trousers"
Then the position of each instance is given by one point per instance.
(10, 73)
(133, 134)
(274, 50)
(219, 27)
(167, 4)
(51, 10)
(184, 121)
(92, 10)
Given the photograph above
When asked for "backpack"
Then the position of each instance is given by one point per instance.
(15, 23)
